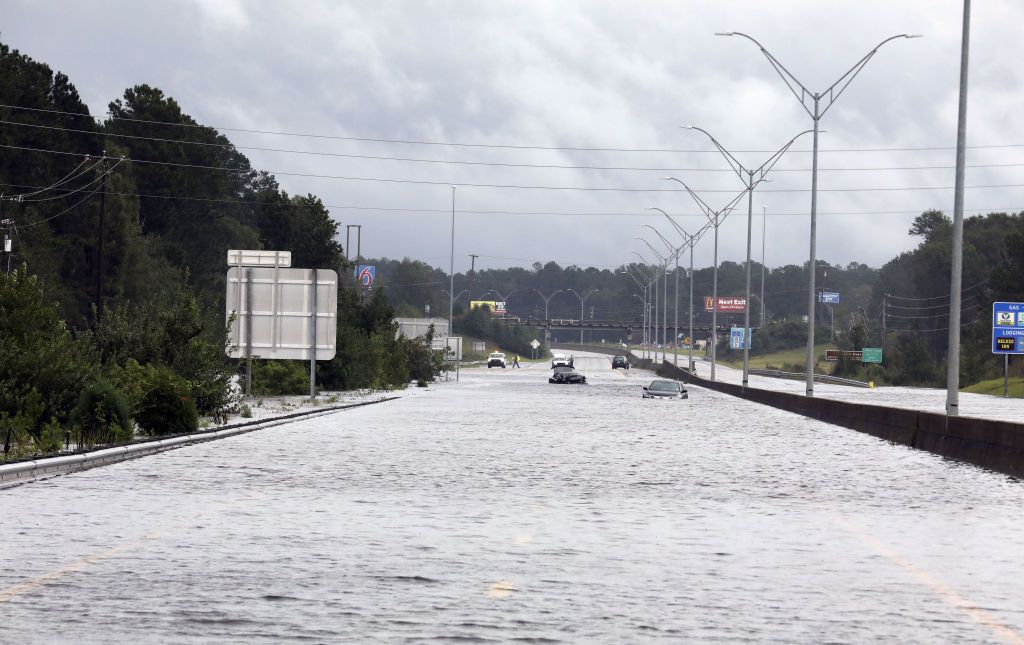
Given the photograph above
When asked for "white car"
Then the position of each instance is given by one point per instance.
(560, 360)
(496, 359)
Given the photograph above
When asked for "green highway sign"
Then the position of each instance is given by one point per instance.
(871, 355)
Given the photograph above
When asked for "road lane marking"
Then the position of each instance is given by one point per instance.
(949, 596)
(32, 584)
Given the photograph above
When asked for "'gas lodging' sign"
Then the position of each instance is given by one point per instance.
(1008, 327)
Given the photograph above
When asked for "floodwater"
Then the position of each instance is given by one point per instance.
(502, 508)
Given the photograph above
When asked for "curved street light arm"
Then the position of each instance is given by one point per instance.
(701, 204)
(653, 250)
(831, 93)
(733, 162)
(668, 245)
(643, 271)
(679, 229)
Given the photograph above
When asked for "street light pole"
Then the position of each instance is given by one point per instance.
(651, 286)
(583, 299)
(764, 226)
(547, 299)
(691, 241)
(832, 93)
(451, 273)
(751, 183)
(664, 299)
(664, 308)
(953, 356)
(715, 218)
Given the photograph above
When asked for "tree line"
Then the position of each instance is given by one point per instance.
(117, 277)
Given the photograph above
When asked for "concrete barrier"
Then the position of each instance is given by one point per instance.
(992, 444)
(22, 471)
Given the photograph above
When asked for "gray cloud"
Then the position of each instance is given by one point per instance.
(569, 74)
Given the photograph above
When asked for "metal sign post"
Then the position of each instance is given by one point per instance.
(248, 332)
(312, 336)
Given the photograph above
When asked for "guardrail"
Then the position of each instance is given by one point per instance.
(818, 378)
(22, 471)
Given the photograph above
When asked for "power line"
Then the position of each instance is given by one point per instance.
(79, 202)
(962, 291)
(110, 117)
(600, 189)
(392, 210)
(230, 146)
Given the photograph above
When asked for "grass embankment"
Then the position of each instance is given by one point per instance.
(780, 359)
(995, 387)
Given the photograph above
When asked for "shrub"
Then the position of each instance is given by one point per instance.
(102, 415)
(271, 377)
(245, 411)
(167, 406)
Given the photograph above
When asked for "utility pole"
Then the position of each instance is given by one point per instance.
(472, 276)
(953, 356)
(885, 311)
(8, 247)
(359, 260)
(99, 246)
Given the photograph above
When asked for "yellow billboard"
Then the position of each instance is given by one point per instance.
(495, 306)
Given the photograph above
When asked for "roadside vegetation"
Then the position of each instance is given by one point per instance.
(102, 341)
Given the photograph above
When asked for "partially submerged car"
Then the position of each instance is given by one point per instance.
(561, 360)
(665, 390)
(620, 362)
(566, 375)
(496, 359)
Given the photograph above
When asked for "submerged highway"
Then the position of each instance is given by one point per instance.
(505, 508)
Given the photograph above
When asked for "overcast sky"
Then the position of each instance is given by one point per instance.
(585, 74)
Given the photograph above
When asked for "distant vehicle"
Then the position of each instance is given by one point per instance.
(620, 362)
(566, 375)
(665, 390)
(496, 359)
(560, 360)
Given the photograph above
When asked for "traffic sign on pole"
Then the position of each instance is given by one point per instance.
(1008, 327)
(871, 355)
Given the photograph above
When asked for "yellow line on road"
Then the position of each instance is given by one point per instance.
(949, 596)
(31, 584)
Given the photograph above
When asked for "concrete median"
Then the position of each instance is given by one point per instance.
(993, 444)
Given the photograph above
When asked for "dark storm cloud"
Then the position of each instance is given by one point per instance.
(567, 74)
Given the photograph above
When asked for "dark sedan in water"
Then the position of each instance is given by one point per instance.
(665, 390)
(566, 375)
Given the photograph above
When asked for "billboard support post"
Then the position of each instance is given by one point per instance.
(1006, 376)
(312, 337)
(248, 332)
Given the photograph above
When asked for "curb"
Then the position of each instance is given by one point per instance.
(23, 471)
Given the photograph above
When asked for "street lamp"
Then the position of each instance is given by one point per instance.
(760, 173)
(643, 309)
(451, 273)
(664, 297)
(715, 219)
(504, 298)
(831, 93)
(691, 241)
(652, 291)
(583, 299)
(672, 251)
(547, 299)
(645, 287)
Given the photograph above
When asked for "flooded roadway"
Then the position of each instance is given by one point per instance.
(504, 508)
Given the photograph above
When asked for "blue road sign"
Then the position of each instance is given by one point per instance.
(1008, 327)
(366, 274)
(736, 338)
(828, 297)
